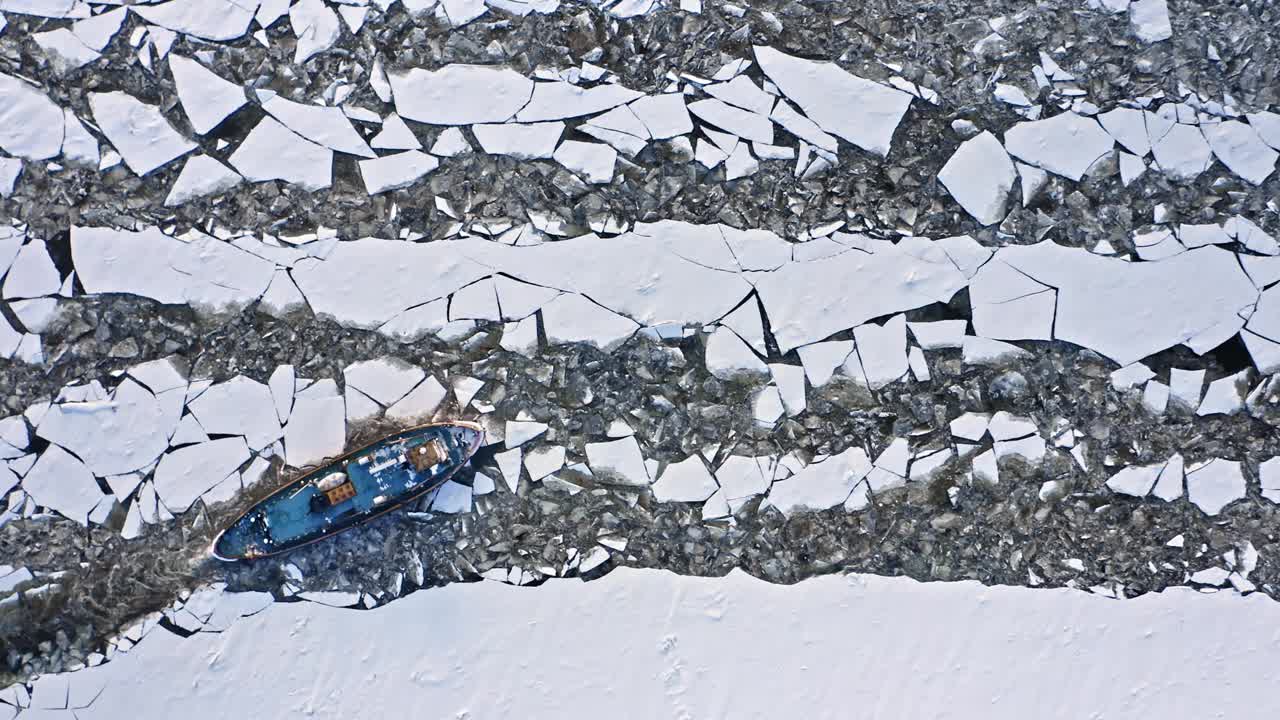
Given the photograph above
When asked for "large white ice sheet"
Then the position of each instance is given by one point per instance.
(663, 645)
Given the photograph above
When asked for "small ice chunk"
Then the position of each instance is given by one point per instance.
(1169, 484)
(240, 406)
(464, 389)
(708, 155)
(862, 112)
(767, 407)
(451, 143)
(940, 334)
(970, 426)
(1032, 180)
(520, 432)
(821, 485)
(1130, 376)
(395, 135)
(31, 125)
(593, 161)
(207, 99)
(543, 461)
(575, 318)
(1129, 127)
(741, 477)
(1066, 144)
(1269, 475)
(216, 20)
(745, 320)
(509, 465)
(742, 92)
(1182, 153)
(64, 50)
(139, 132)
(360, 407)
(395, 172)
(895, 457)
(618, 461)
(1155, 397)
(985, 351)
(1215, 484)
(315, 26)
(273, 152)
(1267, 125)
(452, 498)
(1185, 386)
(97, 31)
(790, 382)
(685, 481)
(1247, 233)
(1226, 395)
(986, 468)
(60, 482)
(728, 356)
(521, 336)
(881, 352)
(1011, 95)
(927, 463)
(1007, 426)
(522, 141)
(188, 472)
(459, 12)
(32, 273)
(1194, 236)
(1135, 480)
(460, 94)
(740, 163)
(317, 429)
(1150, 20)
(386, 380)
(562, 100)
(802, 127)
(820, 360)
(739, 122)
(1131, 168)
(1241, 150)
(979, 175)
(201, 176)
(10, 171)
(325, 126)
(188, 432)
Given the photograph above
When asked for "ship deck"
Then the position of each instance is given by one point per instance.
(382, 478)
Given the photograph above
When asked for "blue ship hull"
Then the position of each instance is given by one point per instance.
(351, 490)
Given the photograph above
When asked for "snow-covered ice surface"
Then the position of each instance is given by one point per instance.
(991, 644)
(987, 293)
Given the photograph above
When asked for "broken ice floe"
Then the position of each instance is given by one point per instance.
(1038, 292)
